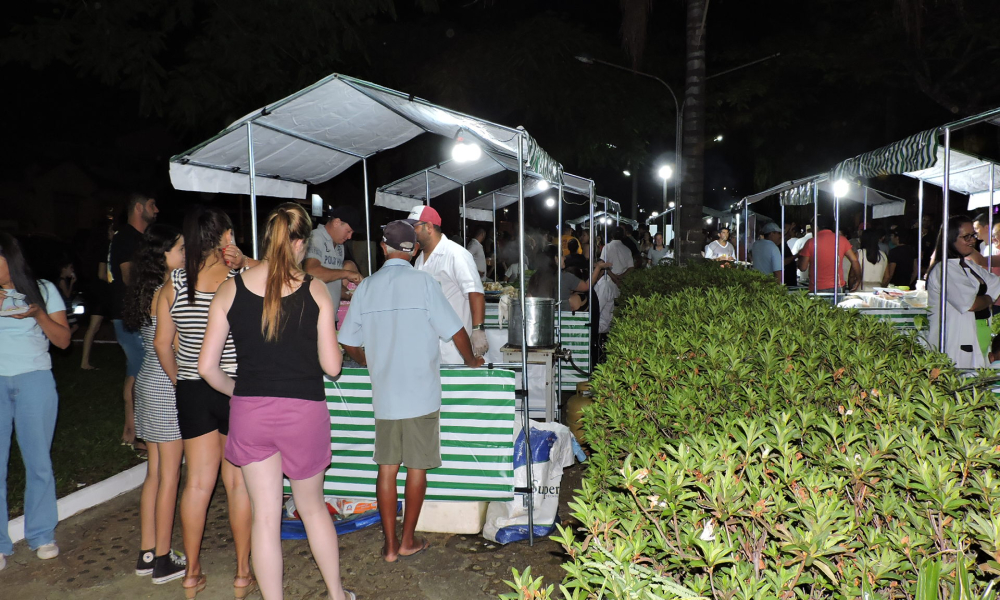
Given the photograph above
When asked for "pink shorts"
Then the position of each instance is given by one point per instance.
(260, 426)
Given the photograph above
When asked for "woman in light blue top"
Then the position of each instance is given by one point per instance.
(32, 314)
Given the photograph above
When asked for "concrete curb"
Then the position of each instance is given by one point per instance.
(87, 497)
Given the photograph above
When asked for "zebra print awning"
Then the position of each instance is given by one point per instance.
(911, 154)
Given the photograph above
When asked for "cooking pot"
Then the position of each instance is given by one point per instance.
(541, 322)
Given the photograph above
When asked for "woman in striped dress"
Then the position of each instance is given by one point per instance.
(203, 413)
(161, 252)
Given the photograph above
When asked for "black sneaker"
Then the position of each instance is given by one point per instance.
(144, 566)
(168, 567)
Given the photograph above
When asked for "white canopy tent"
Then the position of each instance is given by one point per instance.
(799, 192)
(976, 177)
(317, 133)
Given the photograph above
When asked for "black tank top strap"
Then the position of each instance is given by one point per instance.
(240, 285)
(304, 288)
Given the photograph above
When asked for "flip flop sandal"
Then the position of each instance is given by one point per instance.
(424, 546)
(193, 590)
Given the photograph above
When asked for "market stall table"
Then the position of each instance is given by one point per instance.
(477, 437)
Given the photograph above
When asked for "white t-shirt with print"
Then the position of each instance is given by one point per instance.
(329, 255)
(717, 250)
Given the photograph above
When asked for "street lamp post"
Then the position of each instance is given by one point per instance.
(678, 126)
(665, 173)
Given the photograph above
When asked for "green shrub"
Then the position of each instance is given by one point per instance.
(754, 444)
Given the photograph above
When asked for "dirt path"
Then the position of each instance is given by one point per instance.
(99, 549)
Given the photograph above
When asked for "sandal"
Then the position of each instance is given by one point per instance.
(242, 591)
(352, 596)
(190, 591)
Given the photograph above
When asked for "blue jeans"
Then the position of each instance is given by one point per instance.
(131, 343)
(28, 405)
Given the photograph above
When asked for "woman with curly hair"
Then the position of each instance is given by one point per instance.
(161, 252)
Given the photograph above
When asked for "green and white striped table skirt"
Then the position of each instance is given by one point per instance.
(477, 437)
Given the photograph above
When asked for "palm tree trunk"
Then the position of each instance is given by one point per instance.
(693, 146)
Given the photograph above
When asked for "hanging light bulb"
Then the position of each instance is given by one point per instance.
(840, 188)
(550, 202)
(542, 185)
(465, 151)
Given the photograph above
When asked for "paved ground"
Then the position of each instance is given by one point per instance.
(100, 546)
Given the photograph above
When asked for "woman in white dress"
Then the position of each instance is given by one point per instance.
(873, 261)
(971, 290)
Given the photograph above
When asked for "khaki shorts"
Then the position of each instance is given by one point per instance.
(414, 443)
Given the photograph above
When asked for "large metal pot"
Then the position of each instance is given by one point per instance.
(541, 322)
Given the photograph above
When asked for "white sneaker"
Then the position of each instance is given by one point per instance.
(47, 551)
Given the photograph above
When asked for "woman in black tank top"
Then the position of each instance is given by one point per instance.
(282, 326)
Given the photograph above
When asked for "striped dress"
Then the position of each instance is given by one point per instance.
(191, 321)
(155, 405)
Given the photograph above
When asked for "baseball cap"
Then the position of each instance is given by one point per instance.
(399, 235)
(344, 213)
(770, 228)
(425, 214)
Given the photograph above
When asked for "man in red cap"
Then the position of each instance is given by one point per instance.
(455, 269)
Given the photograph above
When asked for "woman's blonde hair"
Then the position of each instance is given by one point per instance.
(286, 223)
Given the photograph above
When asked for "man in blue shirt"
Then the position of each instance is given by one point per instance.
(393, 326)
(766, 255)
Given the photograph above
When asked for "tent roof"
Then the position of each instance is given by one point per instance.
(404, 194)
(799, 192)
(318, 132)
(969, 175)
(481, 207)
(601, 213)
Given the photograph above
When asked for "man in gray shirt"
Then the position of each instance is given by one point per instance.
(325, 256)
(393, 327)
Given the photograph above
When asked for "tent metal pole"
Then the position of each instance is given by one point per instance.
(864, 221)
(559, 310)
(737, 230)
(496, 254)
(524, 340)
(781, 252)
(746, 227)
(989, 236)
(465, 227)
(427, 186)
(253, 188)
(837, 268)
(368, 221)
(943, 250)
(590, 258)
(815, 254)
(920, 230)
(736, 242)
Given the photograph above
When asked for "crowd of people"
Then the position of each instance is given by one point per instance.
(225, 359)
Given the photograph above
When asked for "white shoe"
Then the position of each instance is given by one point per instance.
(47, 551)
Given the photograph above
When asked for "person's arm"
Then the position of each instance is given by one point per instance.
(477, 306)
(981, 303)
(126, 268)
(216, 333)
(314, 268)
(330, 357)
(166, 332)
(357, 354)
(235, 259)
(889, 270)
(54, 325)
(464, 346)
(913, 276)
(977, 258)
(855, 275)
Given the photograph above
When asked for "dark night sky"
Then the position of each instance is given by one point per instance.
(840, 87)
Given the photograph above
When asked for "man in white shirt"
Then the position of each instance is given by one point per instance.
(619, 257)
(455, 269)
(721, 249)
(476, 250)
